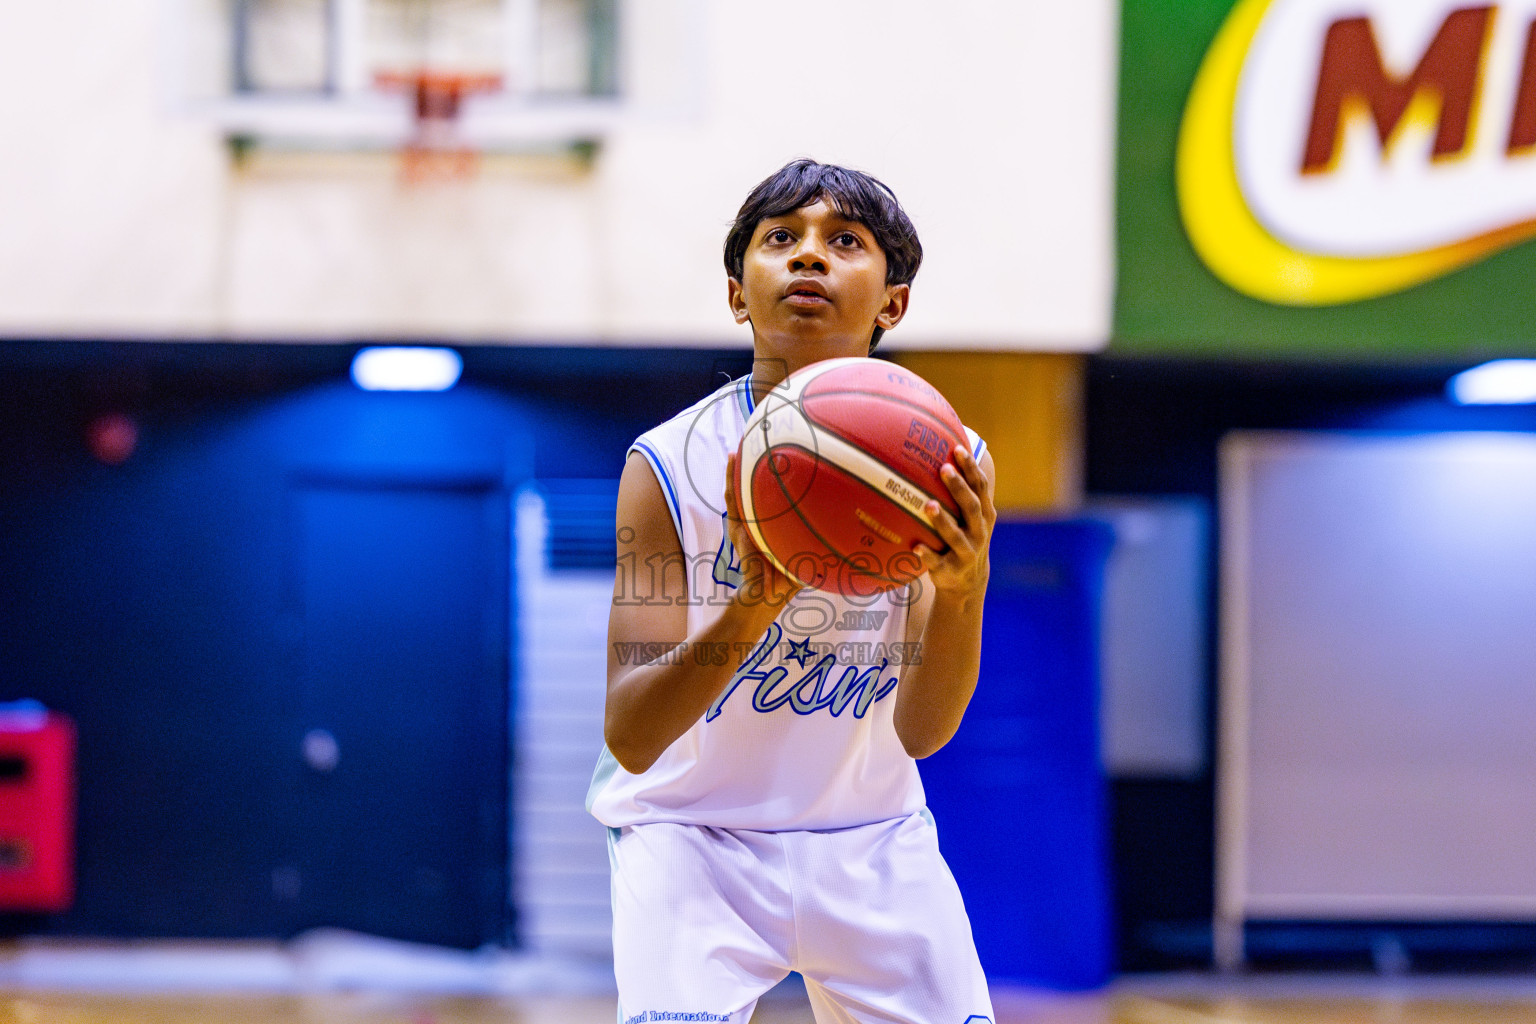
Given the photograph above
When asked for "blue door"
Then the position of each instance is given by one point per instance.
(399, 732)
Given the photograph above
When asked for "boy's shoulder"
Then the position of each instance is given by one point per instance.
(687, 452)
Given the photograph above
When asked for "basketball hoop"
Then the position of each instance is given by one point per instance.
(435, 152)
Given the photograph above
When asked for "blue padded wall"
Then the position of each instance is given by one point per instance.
(1019, 793)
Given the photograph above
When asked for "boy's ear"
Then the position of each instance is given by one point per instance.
(737, 301)
(896, 297)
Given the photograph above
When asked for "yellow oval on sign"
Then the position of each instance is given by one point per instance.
(1261, 259)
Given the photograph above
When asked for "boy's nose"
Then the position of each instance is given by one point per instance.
(808, 255)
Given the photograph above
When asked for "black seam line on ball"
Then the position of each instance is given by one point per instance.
(795, 507)
(768, 450)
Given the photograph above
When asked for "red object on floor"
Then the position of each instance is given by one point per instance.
(37, 812)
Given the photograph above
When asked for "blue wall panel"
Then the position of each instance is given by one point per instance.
(1019, 794)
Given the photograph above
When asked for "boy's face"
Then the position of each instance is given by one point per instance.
(813, 286)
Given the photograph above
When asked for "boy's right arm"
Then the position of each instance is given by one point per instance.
(650, 705)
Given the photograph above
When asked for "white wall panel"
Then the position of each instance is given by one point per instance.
(1376, 688)
(125, 217)
(559, 851)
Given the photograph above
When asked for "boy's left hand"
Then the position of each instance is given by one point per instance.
(962, 570)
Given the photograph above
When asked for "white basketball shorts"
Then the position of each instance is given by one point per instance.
(705, 920)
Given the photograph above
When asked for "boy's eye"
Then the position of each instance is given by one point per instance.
(848, 238)
(778, 236)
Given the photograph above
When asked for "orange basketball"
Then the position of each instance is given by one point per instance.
(835, 467)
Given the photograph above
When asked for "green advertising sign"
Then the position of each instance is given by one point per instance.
(1326, 179)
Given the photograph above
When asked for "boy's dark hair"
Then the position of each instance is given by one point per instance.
(854, 194)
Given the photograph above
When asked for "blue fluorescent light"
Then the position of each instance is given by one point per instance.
(398, 368)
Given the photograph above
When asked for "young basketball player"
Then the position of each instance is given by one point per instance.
(759, 778)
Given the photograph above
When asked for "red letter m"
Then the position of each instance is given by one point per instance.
(1352, 71)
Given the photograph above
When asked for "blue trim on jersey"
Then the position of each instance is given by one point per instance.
(978, 447)
(748, 402)
(666, 483)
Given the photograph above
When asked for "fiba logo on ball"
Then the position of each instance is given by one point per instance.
(837, 467)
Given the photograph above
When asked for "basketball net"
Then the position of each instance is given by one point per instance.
(435, 151)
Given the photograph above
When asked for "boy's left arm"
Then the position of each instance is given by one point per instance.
(945, 620)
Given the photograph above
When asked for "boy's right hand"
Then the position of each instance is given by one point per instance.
(761, 580)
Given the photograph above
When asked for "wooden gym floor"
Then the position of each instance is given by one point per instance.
(333, 977)
(1193, 1001)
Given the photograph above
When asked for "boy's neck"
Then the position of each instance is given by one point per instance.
(769, 372)
(766, 375)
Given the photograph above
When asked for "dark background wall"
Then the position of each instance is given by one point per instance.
(286, 571)
(183, 608)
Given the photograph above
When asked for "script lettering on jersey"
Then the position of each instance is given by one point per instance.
(809, 612)
(813, 691)
(727, 568)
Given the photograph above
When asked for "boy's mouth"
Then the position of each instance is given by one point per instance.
(807, 294)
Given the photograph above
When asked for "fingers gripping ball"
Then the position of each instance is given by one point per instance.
(835, 467)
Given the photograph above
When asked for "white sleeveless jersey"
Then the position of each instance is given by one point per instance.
(802, 736)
